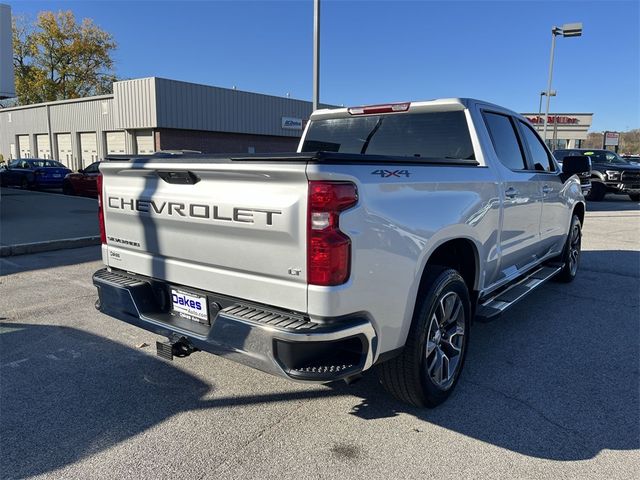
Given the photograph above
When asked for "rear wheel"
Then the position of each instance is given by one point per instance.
(571, 253)
(67, 189)
(428, 369)
(635, 197)
(597, 192)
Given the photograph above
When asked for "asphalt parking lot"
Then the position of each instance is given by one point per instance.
(552, 390)
(38, 221)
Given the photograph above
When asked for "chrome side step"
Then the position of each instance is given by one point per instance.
(492, 307)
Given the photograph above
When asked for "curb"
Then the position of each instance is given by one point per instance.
(48, 246)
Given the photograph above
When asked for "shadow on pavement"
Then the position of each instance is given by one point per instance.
(556, 378)
(80, 394)
(57, 258)
(616, 203)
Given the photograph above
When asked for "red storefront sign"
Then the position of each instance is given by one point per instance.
(559, 119)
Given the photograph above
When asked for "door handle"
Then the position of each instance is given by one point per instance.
(511, 192)
(547, 189)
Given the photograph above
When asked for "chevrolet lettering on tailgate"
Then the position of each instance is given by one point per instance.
(194, 210)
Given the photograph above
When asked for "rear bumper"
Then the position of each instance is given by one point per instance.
(282, 343)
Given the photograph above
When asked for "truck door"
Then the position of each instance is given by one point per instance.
(522, 199)
(554, 220)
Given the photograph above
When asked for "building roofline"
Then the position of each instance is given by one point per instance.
(57, 102)
(280, 97)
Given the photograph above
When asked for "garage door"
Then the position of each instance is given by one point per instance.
(144, 142)
(88, 148)
(115, 143)
(43, 146)
(65, 154)
(24, 146)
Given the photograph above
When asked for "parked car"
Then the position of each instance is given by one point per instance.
(33, 173)
(379, 242)
(83, 182)
(610, 173)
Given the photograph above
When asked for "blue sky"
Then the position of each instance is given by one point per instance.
(378, 51)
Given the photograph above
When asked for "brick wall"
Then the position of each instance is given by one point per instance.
(221, 142)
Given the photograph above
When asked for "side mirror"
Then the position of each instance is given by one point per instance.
(81, 170)
(579, 164)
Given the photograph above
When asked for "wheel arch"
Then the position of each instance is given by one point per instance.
(579, 210)
(459, 253)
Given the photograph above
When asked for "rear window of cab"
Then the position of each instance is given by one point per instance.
(432, 135)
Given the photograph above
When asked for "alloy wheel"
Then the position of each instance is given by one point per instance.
(445, 340)
(574, 248)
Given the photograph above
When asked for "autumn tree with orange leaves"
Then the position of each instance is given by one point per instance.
(57, 58)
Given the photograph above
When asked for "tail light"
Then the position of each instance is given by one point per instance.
(328, 249)
(103, 235)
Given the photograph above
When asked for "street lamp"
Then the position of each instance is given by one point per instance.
(567, 30)
(552, 93)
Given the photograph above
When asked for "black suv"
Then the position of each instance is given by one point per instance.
(610, 173)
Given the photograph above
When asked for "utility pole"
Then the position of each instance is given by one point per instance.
(316, 54)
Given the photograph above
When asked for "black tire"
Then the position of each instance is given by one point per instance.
(571, 252)
(597, 192)
(67, 189)
(635, 197)
(408, 377)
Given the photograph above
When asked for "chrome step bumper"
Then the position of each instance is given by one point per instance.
(275, 341)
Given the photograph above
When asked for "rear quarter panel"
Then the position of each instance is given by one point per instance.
(396, 225)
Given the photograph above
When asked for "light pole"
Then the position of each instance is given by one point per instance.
(552, 93)
(567, 30)
(316, 54)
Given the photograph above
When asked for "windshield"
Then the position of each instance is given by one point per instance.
(419, 135)
(604, 156)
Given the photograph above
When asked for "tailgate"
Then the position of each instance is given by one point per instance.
(237, 228)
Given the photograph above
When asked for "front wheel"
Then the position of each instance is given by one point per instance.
(635, 197)
(427, 370)
(571, 253)
(597, 192)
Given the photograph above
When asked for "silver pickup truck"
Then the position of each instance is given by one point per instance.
(377, 244)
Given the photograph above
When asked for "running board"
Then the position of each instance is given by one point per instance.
(492, 307)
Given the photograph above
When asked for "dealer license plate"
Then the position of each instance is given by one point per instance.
(57, 175)
(189, 305)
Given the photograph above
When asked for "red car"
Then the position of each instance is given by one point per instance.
(83, 182)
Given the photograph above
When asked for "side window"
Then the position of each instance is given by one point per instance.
(505, 140)
(93, 168)
(539, 156)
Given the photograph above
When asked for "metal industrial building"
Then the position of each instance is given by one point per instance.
(150, 114)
